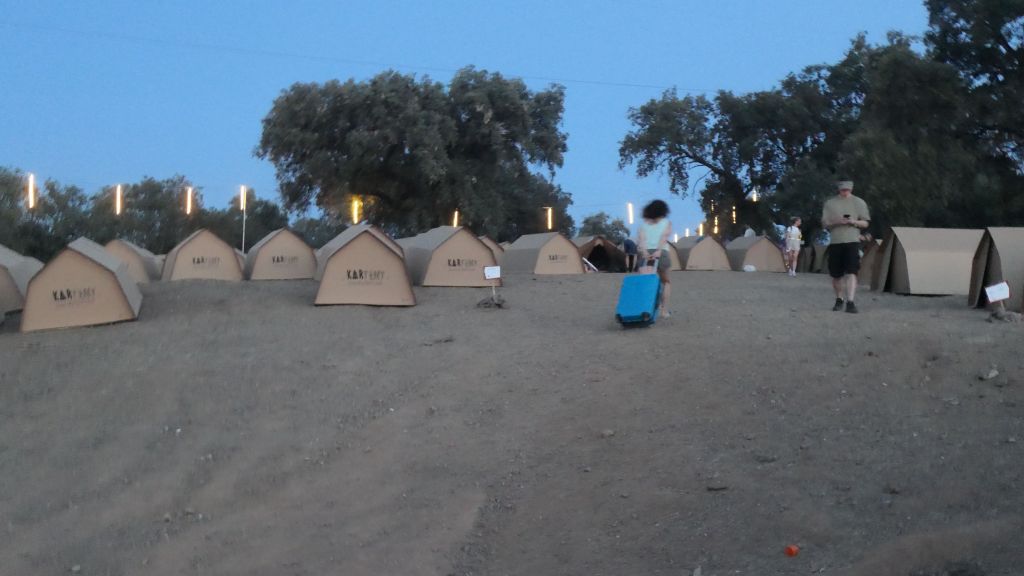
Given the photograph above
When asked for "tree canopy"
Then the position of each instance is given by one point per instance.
(413, 151)
(601, 224)
(931, 137)
(153, 216)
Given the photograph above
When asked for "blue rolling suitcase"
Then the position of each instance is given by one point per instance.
(638, 300)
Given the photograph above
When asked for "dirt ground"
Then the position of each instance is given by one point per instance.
(236, 429)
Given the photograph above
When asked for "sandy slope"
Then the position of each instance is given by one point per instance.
(236, 429)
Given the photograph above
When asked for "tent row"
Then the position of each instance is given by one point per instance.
(88, 284)
(960, 262)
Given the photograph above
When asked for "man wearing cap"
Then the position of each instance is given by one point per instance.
(844, 216)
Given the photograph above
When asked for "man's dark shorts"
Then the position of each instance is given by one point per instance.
(843, 259)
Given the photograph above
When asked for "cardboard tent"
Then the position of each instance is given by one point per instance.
(545, 253)
(604, 255)
(280, 255)
(447, 256)
(701, 253)
(927, 261)
(203, 256)
(83, 285)
(756, 251)
(15, 272)
(673, 253)
(868, 263)
(804, 260)
(363, 266)
(142, 264)
(999, 258)
(496, 248)
(819, 265)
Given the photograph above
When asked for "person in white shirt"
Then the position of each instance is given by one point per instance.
(654, 234)
(793, 238)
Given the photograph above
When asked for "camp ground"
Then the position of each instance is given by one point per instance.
(362, 265)
(999, 258)
(544, 253)
(447, 256)
(927, 261)
(142, 264)
(203, 256)
(15, 272)
(280, 255)
(701, 253)
(756, 251)
(604, 255)
(83, 285)
(497, 249)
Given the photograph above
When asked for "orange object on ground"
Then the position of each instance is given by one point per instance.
(792, 550)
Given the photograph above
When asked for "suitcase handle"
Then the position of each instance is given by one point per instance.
(652, 263)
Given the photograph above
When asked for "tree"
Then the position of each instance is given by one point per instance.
(896, 121)
(598, 224)
(153, 213)
(262, 217)
(413, 152)
(984, 41)
(318, 231)
(12, 200)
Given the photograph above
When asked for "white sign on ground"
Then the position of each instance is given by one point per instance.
(492, 272)
(997, 292)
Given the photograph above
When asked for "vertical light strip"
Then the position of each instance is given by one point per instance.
(551, 224)
(31, 191)
(188, 200)
(629, 211)
(355, 211)
(241, 197)
(455, 219)
(117, 200)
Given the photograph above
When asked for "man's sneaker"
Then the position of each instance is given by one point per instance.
(838, 306)
(851, 307)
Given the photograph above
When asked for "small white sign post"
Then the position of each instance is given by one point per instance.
(997, 293)
(492, 273)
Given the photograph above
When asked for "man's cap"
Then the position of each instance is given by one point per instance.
(844, 185)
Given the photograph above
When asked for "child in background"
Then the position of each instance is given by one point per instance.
(793, 238)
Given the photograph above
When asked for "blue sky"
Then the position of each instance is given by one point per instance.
(96, 93)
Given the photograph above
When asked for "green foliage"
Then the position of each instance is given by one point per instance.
(414, 152)
(983, 40)
(318, 231)
(261, 218)
(600, 224)
(930, 139)
(152, 216)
